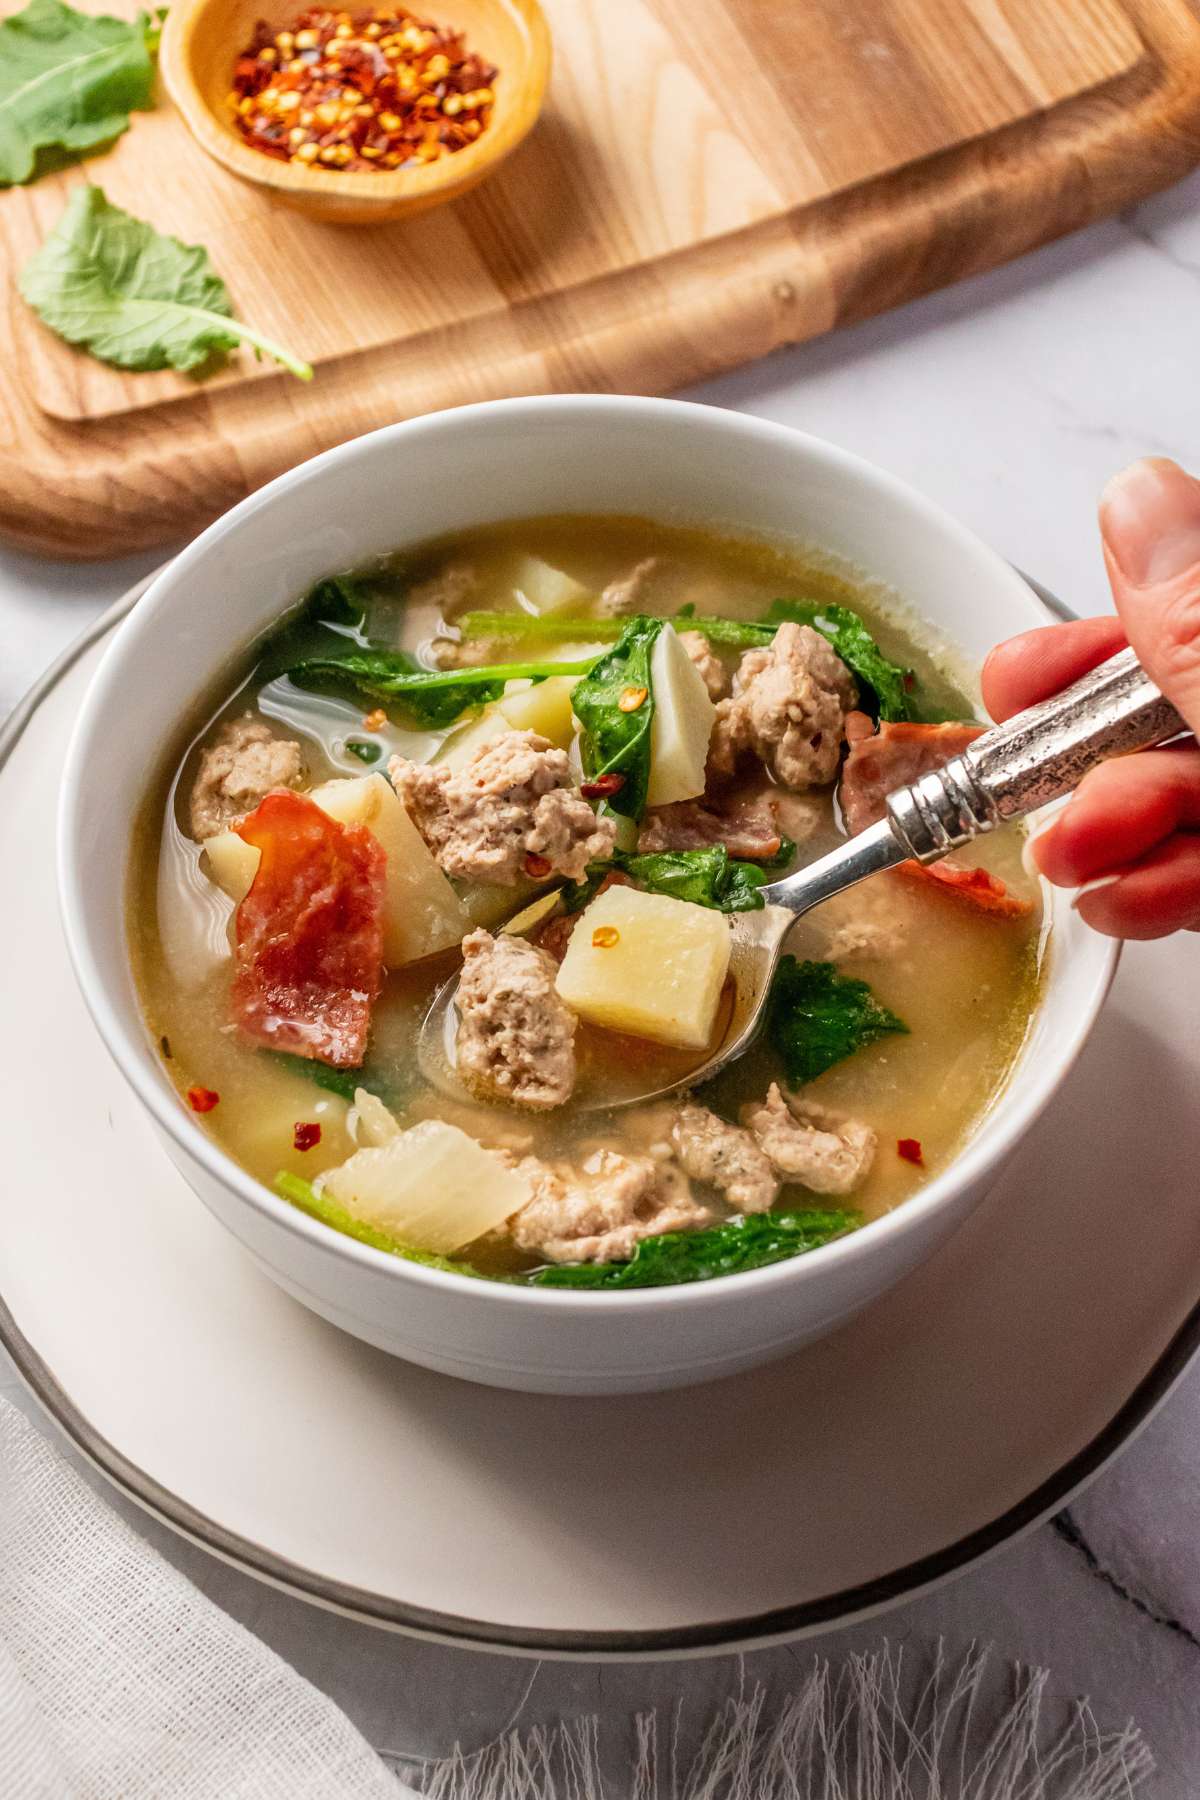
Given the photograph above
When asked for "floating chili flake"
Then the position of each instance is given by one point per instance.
(909, 1149)
(602, 787)
(357, 91)
(202, 1099)
(306, 1136)
(605, 936)
(537, 867)
(375, 720)
(632, 698)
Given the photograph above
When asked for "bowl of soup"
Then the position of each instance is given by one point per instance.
(536, 698)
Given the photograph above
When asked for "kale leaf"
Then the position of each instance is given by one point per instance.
(68, 81)
(434, 697)
(708, 877)
(883, 685)
(113, 285)
(616, 741)
(730, 1249)
(817, 1016)
(320, 1206)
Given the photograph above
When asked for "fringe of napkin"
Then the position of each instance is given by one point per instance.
(974, 1728)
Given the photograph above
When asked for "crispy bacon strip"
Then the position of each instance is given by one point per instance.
(309, 932)
(900, 753)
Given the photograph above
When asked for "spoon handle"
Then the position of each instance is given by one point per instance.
(1035, 757)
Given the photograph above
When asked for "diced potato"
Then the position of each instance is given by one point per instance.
(422, 912)
(682, 723)
(544, 708)
(376, 1125)
(458, 749)
(648, 965)
(232, 863)
(543, 589)
(432, 1187)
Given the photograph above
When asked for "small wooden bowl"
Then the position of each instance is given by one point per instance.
(201, 39)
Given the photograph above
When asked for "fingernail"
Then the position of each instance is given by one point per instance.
(1093, 887)
(1036, 825)
(1150, 517)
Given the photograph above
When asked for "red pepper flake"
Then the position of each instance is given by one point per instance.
(537, 867)
(202, 1099)
(604, 937)
(909, 1149)
(375, 720)
(306, 1136)
(632, 698)
(602, 787)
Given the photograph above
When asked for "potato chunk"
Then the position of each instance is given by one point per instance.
(232, 863)
(431, 1187)
(545, 708)
(682, 723)
(545, 589)
(422, 913)
(647, 965)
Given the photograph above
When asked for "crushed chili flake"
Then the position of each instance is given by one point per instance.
(909, 1149)
(375, 720)
(536, 867)
(632, 698)
(164, 1044)
(604, 937)
(602, 786)
(357, 91)
(306, 1136)
(202, 1099)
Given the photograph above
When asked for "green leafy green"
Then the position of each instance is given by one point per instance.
(112, 284)
(343, 1082)
(434, 696)
(708, 877)
(319, 1206)
(366, 753)
(818, 1016)
(883, 685)
(553, 628)
(730, 1249)
(616, 741)
(68, 81)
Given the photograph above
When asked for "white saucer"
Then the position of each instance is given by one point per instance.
(961, 1410)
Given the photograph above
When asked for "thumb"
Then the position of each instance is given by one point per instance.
(1150, 523)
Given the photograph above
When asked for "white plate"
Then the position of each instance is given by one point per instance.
(960, 1410)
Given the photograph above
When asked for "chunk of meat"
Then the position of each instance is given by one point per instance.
(713, 671)
(746, 827)
(516, 1039)
(447, 591)
(892, 757)
(726, 1157)
(896, 755)
(309, 934)
(469, 653)
(813, 1147)
(789, 704)
(628, 593)
(602, 1212)
(244, 763)
(512, 811)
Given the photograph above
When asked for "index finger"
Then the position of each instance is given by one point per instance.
(1031, 667)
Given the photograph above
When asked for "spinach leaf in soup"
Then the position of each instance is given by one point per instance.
(614, 704)
(883, 685)
(733, 1248)
(817, 1017)
(709, 877)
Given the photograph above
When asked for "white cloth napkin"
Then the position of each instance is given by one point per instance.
(120, 1681)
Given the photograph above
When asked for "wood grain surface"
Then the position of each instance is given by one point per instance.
(710, 179)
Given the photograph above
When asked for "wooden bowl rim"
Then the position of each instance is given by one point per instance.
(523, 102)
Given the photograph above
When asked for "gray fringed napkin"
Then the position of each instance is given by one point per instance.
(120, 1681)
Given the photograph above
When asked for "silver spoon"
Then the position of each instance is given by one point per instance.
(1037, 756)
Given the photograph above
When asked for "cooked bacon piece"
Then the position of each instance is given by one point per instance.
(895, 756)
(747, 828)
(309, 932)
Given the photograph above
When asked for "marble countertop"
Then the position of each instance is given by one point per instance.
(1009, 399)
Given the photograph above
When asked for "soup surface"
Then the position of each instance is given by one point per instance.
(507, 723)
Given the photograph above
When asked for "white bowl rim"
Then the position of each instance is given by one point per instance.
(128, 1047)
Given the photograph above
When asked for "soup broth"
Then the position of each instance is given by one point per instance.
(955, 966)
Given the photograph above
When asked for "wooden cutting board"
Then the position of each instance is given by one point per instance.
(710, 179)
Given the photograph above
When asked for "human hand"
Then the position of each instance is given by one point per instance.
(1129, 837)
